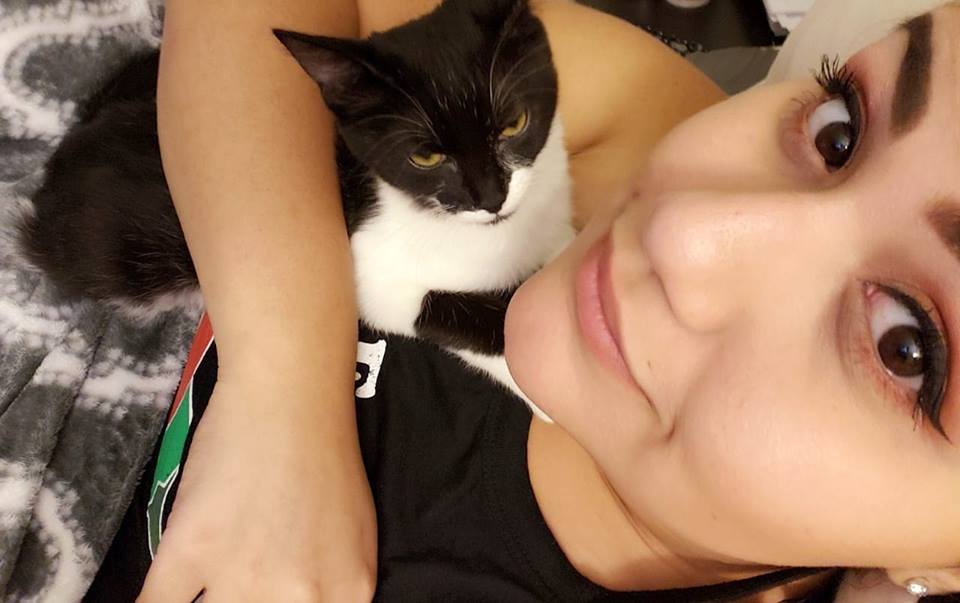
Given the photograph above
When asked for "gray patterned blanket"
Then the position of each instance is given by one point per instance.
(83, 392)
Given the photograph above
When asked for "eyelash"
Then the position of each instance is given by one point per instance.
(839, 82)
(930, 397)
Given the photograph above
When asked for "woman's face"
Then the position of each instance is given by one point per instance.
(780, 328)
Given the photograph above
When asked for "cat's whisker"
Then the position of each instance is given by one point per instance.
(412, 134)
(512, 85)
(395, 137)
(391, 116)
(493, 64)
(508, 26)
(530, 54)
(385, 150)
(392, 140)
(423, 113)
(508, 77)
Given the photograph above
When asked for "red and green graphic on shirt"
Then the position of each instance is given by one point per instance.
(175, 436)
(174, 439)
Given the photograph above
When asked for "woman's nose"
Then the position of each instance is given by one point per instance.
(723, 255)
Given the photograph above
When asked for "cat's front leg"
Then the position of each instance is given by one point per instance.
(464, 321)
(471, 326)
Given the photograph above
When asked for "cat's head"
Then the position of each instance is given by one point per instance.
(447, 108)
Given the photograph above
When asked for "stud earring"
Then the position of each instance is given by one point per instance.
(918, 588)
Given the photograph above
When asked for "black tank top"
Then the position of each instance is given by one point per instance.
(445, 452)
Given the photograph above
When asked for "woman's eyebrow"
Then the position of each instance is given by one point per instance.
(912, 94)
(944, 217)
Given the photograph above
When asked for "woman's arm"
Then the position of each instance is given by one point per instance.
(247, 148)
(274, 503)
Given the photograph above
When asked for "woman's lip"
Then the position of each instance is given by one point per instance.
(597, 309)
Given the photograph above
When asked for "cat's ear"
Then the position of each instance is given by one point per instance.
(340, 67)
(523, 46)
(509, 11)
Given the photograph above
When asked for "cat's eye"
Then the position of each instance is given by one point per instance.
(427, 161)
(518, 126)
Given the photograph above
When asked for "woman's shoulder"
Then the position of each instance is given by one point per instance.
(621, 91)
(613, 74)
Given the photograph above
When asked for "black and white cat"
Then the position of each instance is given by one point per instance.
(452, 168)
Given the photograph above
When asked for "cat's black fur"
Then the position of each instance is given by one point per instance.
(465, 321)
(104, 223)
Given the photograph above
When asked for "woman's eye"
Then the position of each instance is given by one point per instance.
(834, 132)
(426, 161)
(518, 126)
(911, 348)
(898, 339)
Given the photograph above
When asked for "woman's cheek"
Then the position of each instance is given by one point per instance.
(770, 449)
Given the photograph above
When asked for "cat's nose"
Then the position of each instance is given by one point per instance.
(490, 195)
(492, 204)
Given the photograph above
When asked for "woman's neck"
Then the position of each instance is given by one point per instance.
(597, 534)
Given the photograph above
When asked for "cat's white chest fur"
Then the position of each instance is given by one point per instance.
(404, 251)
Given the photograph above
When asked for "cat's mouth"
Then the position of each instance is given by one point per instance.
(484, 218)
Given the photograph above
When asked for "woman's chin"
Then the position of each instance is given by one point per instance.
(538, 336)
